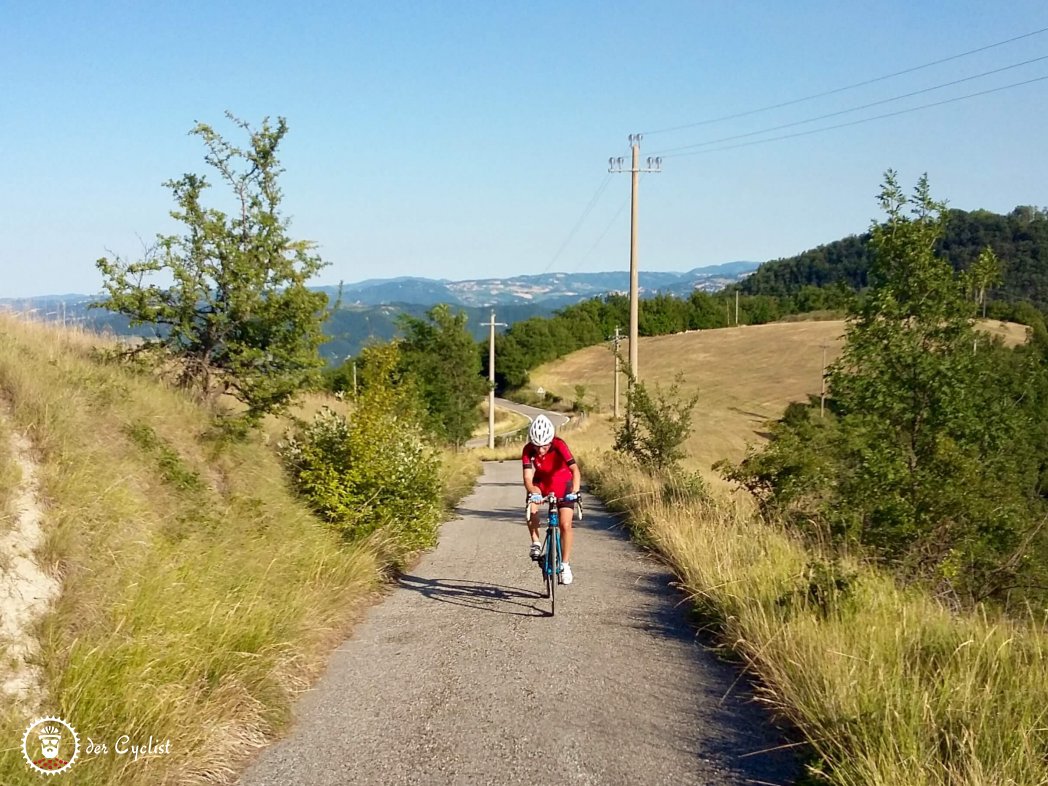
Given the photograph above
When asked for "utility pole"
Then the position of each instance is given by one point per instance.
(615, 165)
(491, 377)
(736, 308)
(616, 384)
(822, 394)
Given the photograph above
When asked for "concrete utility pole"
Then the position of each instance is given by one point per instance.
(616, 384)
(615, 165)
(736, 308)
(491, 377)
(822, 394)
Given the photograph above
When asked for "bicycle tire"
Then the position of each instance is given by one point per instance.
(543, 563)
(553, 577)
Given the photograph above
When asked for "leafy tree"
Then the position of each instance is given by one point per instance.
(441, 357)
(657, 424)
(931, 453)
(228, 299)
(984, 274)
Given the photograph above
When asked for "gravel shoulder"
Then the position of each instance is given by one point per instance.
(460, 676)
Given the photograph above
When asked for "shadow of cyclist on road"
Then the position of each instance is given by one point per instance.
(475, 594)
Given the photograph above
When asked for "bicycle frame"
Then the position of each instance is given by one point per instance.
(551, 557)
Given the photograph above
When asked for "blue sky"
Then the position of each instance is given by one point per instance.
(467, 140)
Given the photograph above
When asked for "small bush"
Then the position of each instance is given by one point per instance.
(656, 425)
(374, 472)
(679, 487)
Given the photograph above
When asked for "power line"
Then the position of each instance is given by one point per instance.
(854, 108)
(585, 213)
(847, 87)
(865, 119)
(607, 229)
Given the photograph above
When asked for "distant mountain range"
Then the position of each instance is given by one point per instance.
(369, 309)
(550, 289)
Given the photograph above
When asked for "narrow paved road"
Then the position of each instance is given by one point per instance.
(459, 676)
(557, 418)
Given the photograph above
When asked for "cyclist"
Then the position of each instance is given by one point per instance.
(549, 467)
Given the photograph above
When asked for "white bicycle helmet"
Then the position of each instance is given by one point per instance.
(541, 431)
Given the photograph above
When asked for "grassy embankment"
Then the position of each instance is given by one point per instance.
(506, 421)
(888, 686)
(198, 596)
(744, 376)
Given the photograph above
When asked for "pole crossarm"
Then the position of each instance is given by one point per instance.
(654, 165)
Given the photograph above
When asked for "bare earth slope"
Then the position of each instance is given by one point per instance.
(459, 677)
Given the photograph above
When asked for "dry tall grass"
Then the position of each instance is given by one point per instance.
(745, 376)
(197, 595)
(506, 421)
(888, 687)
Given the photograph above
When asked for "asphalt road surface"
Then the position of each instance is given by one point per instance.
(558, 419)
(460, 676)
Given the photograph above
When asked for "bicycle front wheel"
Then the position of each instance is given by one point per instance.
(551, 583)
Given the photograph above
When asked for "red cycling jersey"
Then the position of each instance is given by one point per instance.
(552, 471)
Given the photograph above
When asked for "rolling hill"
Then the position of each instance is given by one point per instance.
(745, 376)
(1020, 240)
(368, 310)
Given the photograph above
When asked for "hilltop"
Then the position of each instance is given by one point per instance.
(1020, 240)
(745, 377)
(549, 289)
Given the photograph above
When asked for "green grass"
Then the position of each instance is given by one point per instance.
(888, 686)
(198, 597)
(459, 471)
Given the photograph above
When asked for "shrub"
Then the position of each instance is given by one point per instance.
(375, 471)
(656, 425)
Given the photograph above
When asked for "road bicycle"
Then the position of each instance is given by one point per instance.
(550, 559)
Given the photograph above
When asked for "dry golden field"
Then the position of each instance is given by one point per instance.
(745, 377)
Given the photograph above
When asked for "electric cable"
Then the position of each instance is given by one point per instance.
(851, 109)
(585, 213)
(846, 87)
(862, 120)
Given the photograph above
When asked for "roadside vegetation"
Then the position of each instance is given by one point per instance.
(888, 599)
(214, 531)
(886, 684)
(198, 596)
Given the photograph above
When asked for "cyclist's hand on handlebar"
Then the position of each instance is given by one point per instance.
(534, 498)
(571, 497)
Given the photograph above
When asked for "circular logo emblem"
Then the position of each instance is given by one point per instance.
(50, 745)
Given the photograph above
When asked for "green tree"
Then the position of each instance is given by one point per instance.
(228, 299)
(441, 356)
(657, 424)
(983, 274)
(930, 455)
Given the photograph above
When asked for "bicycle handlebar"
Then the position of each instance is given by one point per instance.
(552, 499)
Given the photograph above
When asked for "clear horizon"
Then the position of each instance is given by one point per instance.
(320, 284)
(467, 141)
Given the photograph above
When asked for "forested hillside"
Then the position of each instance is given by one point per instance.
(1020, 240)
